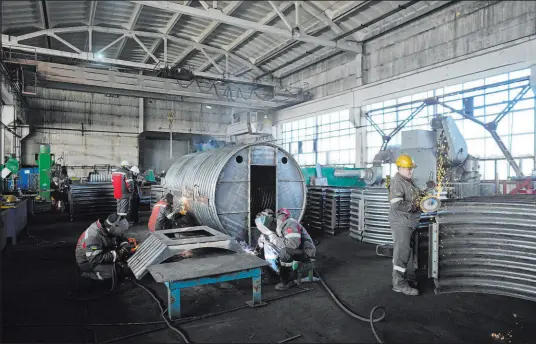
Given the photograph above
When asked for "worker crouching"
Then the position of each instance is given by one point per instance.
(163, 214)
(102, 249)
(292, 242)
(404, 217)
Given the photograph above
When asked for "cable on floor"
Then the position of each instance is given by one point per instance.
(371, 320)
(162, 310)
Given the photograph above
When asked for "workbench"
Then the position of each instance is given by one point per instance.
(208, 270)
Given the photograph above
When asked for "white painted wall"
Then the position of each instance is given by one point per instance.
(471, 40)
(110, 126)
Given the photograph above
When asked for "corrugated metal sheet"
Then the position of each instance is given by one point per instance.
(18, 15)
(114, 13)
(68, 13)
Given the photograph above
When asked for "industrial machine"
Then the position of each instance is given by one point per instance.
(44, 161)
(10, 170)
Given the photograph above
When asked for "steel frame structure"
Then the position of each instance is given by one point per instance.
(491, 127)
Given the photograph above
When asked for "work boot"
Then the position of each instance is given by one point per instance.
(400, 285)
(285, 281)
(412, 280)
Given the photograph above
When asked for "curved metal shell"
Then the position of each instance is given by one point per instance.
(487, 246)
(223, 186)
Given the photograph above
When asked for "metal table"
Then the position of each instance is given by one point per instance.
(216, 269)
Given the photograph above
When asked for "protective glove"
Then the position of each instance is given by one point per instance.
(260, 243)
(122, 253)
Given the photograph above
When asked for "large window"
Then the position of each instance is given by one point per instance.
(490, 97)
(327, 139)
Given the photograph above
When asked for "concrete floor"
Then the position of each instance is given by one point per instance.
(37, 278)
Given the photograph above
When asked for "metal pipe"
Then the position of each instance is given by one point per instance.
(348, 173)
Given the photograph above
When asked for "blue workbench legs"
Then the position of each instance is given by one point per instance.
(174, 288)
(174, 301)
(257, 289)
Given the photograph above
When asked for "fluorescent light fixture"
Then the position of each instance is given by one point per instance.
(98, 56)
(209, 107)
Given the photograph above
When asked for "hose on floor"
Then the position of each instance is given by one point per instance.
(371, 320)
(183, 336)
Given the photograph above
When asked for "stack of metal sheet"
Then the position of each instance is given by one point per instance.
(356, 208)
(370, 216)
(315, 207)
(336, 210)
(91, 200)
(157, 192)
(486, 245)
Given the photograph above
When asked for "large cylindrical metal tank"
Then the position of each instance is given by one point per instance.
(225, 188)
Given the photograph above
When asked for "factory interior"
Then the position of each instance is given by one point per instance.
(268, 171)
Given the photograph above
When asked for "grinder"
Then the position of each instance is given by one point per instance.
(430, 203)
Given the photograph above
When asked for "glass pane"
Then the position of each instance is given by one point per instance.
(502, 169)
(522, 145)
(351, 141)
(344, 115)
(496, 79)
(344, 125)
(472, 130)
(522, 121)
(473, 84)
(334, 117)
(520, 73)
(452, 89)
(488, 169)
(311, 122)
(309, 159)
(302, 123)
(333, 127)
(294, 148)
(374, 139)
(322, 145)
(390, 117)
(307, 146)
(334, 143)
(321, 156)
(371, 153)
(294, 125)
(351, 153)
(344, 157)
(333, 157)
(325, 119)
(492, 149)
(494, 110)
(527, 166)
(524, 104)
(309, 133)
(476, 147)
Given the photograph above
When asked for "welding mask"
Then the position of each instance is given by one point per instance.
(116, 225)
(282, 216)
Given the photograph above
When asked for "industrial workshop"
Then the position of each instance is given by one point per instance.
(268, 171)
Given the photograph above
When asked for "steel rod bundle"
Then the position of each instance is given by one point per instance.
(486, 245)
(91, 200)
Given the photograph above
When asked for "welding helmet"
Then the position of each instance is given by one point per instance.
(125, 164)
(116, 225)
(405, 161)
(168, 198)
(135, 170)
(282, 215)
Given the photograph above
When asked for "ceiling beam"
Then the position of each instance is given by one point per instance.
(90, 23)
(66, 43)
(211, 61)
(129, 26)
(166, 30)
(140, 43)
(109, 45)
(11, 42)
(281, 15)
(312, 10)
(213, 26)
(243, 37)
(213, 14)
(204, 4)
